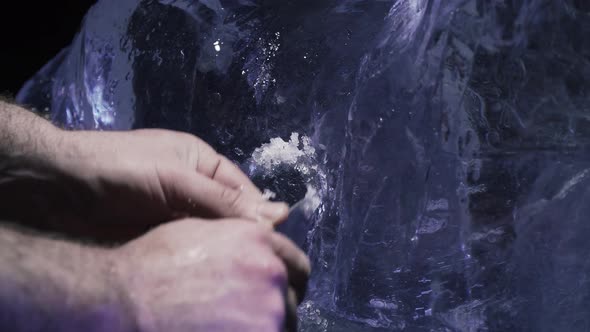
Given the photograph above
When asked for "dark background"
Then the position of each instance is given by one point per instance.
(32, 32)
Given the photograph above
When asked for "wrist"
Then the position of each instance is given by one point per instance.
(108, 304)
(120, 285)
(94, 299)
(30, 181)
(64, 285)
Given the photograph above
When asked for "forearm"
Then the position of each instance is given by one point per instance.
(24, 134)
(52, 285)
(36, 187)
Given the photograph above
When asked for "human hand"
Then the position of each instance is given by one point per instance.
(121, 183)
(194, 275)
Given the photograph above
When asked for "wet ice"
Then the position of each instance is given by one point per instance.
(450, 140)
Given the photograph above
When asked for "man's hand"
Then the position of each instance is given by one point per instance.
(117, 182)
(229, 275)
(190, 275)
(156, 175)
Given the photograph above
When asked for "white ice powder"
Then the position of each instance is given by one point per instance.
(311, 201)
(297, 152)
(268, 194)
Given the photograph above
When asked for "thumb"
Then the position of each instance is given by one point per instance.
(200, 196)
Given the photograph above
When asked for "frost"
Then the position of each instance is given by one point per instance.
(452, 141)
(297, 153)
(268, 194)
(311, 201)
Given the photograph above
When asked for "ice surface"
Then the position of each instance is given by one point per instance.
(450, 140)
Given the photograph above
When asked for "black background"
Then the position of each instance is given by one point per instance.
(32, 32)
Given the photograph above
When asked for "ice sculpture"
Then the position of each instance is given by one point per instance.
(449, 138)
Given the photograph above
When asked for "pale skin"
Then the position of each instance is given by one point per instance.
(107, 179)
(214, 264)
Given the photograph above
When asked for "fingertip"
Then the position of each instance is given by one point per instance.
(306, 263)
(273, 212)
(292, 302)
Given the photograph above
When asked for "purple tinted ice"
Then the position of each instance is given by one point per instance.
(452, 135)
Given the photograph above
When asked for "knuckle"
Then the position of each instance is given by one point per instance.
(241, 228)
(265, 267)
(275, 270)
(252, 232)
(277, 304)
(275, 312)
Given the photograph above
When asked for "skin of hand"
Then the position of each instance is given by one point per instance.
(113, 186)
(230, 275)
(187, 275)
(119, 183)
(155, 175)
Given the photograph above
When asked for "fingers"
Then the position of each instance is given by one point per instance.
(291, 310)
(199, 195)
(286, 265)
(202, 157)
(221, 169)
(296, 262)
(298, 270)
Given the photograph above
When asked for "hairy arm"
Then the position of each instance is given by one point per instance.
(113, 186)
(46, 284)
(35, 188)
(52, 285)
(24, 134)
